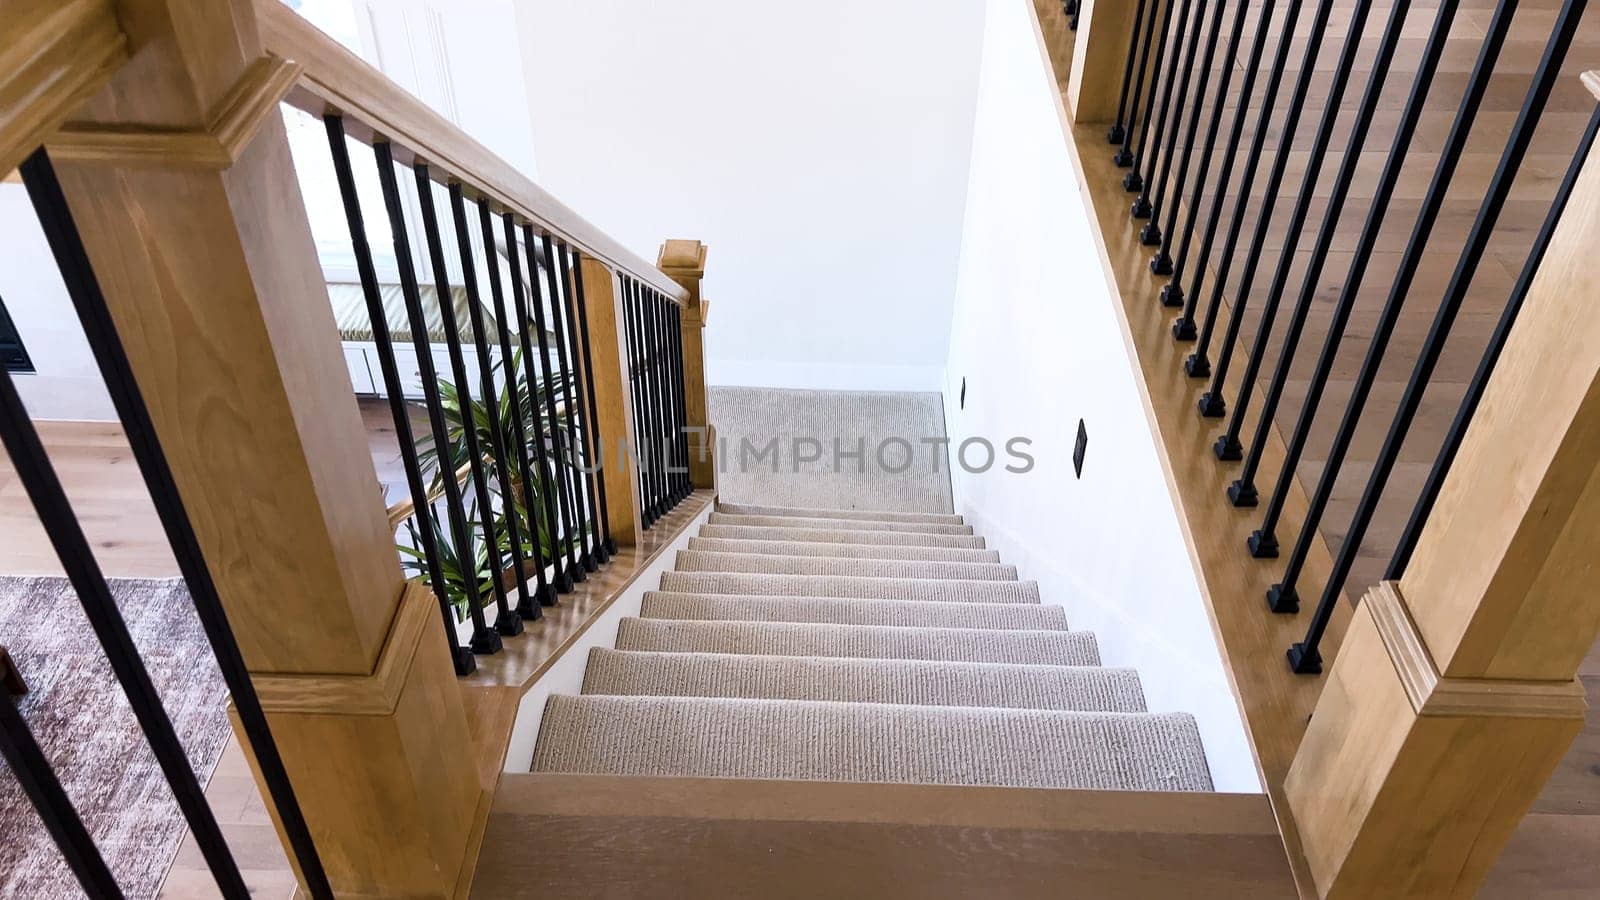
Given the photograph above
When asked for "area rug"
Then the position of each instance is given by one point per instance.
(82, 720)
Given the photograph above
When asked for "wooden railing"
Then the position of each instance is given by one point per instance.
(163, 144)
(1451, 693)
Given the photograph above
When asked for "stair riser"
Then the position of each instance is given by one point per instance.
(702, 561)
(838, 524)
(1048, 648)
(862, 515)
(846, 586)
(1083, 689)
(836, 536)
(844, 611)
(844, 551)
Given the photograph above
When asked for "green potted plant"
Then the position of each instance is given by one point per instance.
(458, 564)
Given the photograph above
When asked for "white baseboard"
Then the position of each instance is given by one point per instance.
(565, 676)
(823, 376)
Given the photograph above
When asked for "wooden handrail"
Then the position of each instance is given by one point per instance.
(375, 108)
(402, 510)
(56, 54)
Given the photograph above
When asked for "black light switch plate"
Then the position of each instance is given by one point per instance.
(1080, 448)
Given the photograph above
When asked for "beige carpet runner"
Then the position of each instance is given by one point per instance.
(849, 645)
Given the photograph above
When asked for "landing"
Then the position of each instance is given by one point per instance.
(890, 449)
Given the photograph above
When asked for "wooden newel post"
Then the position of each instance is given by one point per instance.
(1453, 696)
(608, 342)
(685, 262)
(179, 178)
(1100, 56)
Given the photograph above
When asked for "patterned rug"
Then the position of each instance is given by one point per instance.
(81, 719)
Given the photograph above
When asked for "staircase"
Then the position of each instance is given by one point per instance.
(860, 646)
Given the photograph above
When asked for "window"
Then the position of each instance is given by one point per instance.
(12, 354)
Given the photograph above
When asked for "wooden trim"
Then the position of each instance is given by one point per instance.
(1094, 82)
(336, 80)
(373, 694)
(685, 262)
(403, 509)
(229, 128)
(1434, 695)
(523, 660)
(55, 56)
(612, 400)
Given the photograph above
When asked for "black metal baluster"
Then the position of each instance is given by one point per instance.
(1172, 293)
(1147, 164)
(573, 570)
(32, 770)
(636, 389)
(1242, 492)
(60, 523)
(1161, 263)
(497, 443)
(1211, 403)
(1491, 355)
(594, 440)
(55, 219)
(484, 639)
(1264, 542)
(1304, 657)
(1282, 597)
(507, 622)
(1197, 365)
(1119, 131)
(461, 657)
(560, 580)
(1149, 75)
(641, 405)
(1074, 12)
(1150, 234)
(577, 415)
(647, 378)
(658, 372)
(648, 381)
(543, 594)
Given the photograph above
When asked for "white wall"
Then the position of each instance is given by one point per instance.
(1038, 340)
(820, 150)
(461, 57)
(66, 383)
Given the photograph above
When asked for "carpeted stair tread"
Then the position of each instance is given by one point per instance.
(846, 611)
(717, 518)
(1050, 648)
(871, 742)
(844, 551)
(846, 680)
(760, 564)
(869, 515)
(840, 536)
(851, 586)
